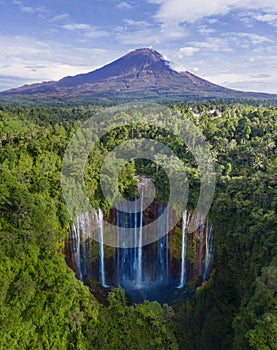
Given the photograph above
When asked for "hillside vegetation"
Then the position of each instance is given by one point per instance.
(43, 305)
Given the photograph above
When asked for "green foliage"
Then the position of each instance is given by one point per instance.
(143, 326)
(256, 323)
(43, 306)
(243, 143)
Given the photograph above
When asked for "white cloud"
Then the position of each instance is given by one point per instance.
(156, 1)
(27, 60)
(124, 6)
(88, 30)
(255, 38)
(76, 26)
(212, 20)
(29, 9)
(261, 76)
(266, 16)
(241, 71)
(230, 42)
(213, 44)
(245, 73)
(136, 24)
(243, 40)
(205, 30)
(60, 17)
(268, 61)
(269, 17)
(188, 51)
(191, 11)
(145, 34)
(246, 82)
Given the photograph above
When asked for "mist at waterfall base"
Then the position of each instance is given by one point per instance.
(159, 271)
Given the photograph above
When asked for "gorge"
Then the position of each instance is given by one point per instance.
(44, 306)
(157, 271)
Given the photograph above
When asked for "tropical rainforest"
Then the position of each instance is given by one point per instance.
(44, 306)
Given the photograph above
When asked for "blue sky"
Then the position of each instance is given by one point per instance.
(229, 42)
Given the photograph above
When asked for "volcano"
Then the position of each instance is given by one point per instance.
(140, 74)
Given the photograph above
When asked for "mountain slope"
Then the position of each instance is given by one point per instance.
(140, 74)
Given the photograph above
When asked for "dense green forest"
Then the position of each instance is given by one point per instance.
(44, 306)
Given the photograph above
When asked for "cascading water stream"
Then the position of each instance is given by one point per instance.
(76, 248)
(86, 230)
(136, 238)
(145, 272)
(184, 251)
(139, 248)
(208, 252)
(102, 278)
(130, 260)
(163, 243)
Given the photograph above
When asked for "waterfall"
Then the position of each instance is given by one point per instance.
(81, 234)
(85, 223)
(136, 238)
(202, 242)
(148, 272)
(139, 248)
(208, 252)
(184, 251)
(117, 257)
(76, 248)
(201, 231)
(130, 260)
(166, 246)
(163, 244)
(121, 253)
(102, 278)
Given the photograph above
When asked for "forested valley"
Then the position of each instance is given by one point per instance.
(44, 306)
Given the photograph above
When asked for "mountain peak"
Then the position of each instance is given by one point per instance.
(135, 65)
(142, 73)
(152, 54)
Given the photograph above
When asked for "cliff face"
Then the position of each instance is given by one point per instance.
(171, 262)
